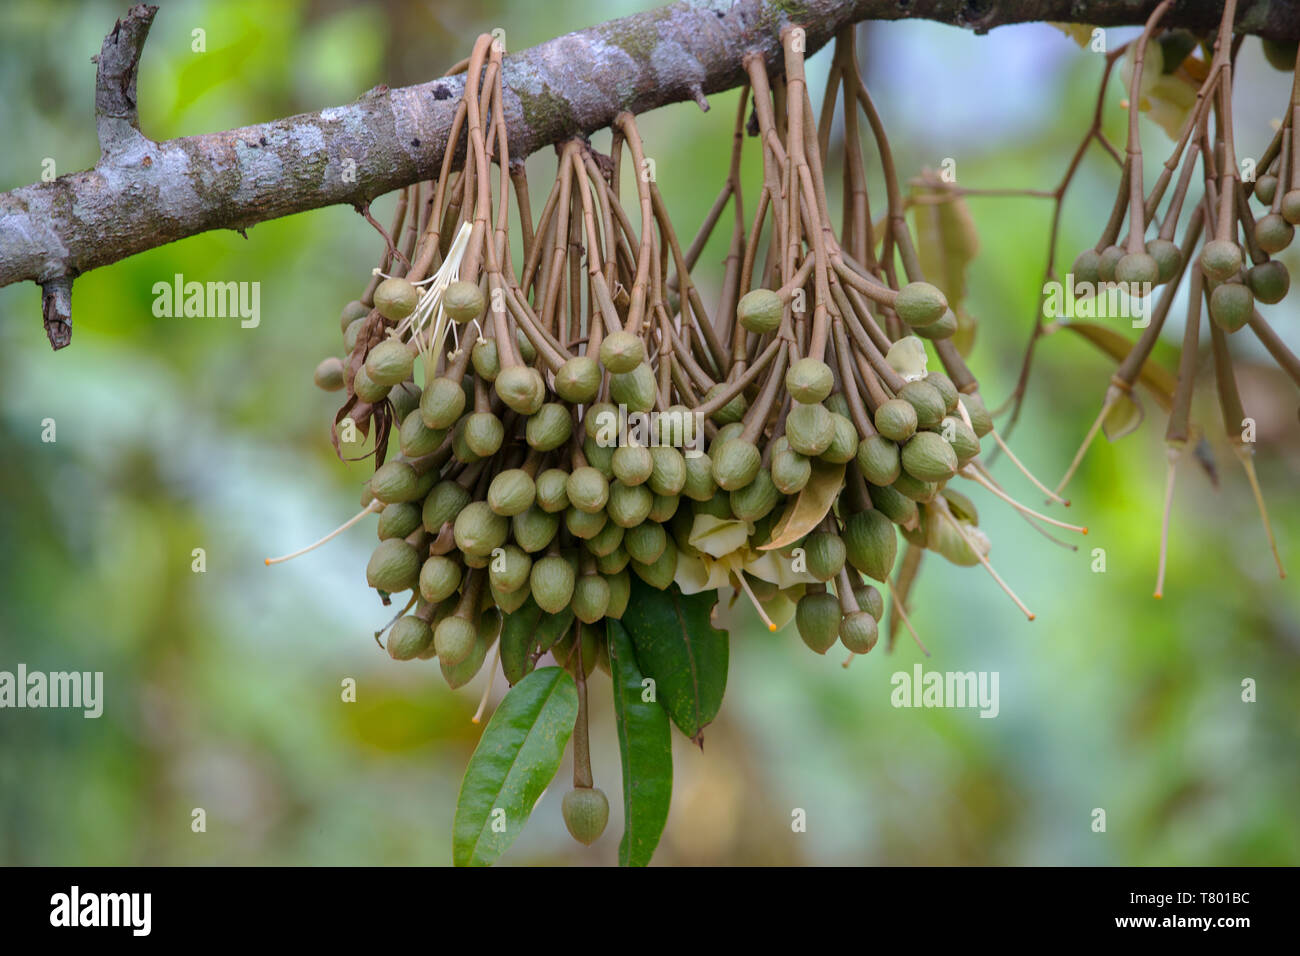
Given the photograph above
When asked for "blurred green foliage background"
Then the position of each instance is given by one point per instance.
(223, 688)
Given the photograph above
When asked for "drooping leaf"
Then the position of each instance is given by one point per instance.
(809, 507)
(946, 239)
(513, 763)
(645, 742)
(679, 648)
(526, 635)
(946, 243)
(963, 340)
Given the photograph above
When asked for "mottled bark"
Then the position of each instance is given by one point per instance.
(143, 194)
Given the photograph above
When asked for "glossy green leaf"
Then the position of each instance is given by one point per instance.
(678, 646)
(527, 634)
(645, 742)
(513, 763)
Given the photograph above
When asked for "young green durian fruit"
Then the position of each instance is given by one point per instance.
(817, 617)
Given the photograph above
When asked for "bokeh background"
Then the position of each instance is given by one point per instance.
(223, 688)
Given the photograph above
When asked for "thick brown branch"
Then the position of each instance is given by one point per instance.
(144, 194)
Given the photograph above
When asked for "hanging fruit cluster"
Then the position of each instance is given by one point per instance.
(1226, 251)
(586, 442)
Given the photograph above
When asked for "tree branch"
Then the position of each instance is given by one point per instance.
(143, 194)
(117, 120)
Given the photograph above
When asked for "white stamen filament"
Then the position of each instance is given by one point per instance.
(975, 549)
(1244, 455)
(491, 679)
(448, 273)
(1112, 396)
(902, 613)
(973, 475)
(1052, 495)
(1172, 457)
(740, 576)
(371, 508)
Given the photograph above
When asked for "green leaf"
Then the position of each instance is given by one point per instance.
(678, 646)
(513, 763)
(527, 634)
(645, 741)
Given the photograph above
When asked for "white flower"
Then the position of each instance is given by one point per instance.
(429, 308)
(723, 553)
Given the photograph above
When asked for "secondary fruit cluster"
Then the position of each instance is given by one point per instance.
(1226, 250)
